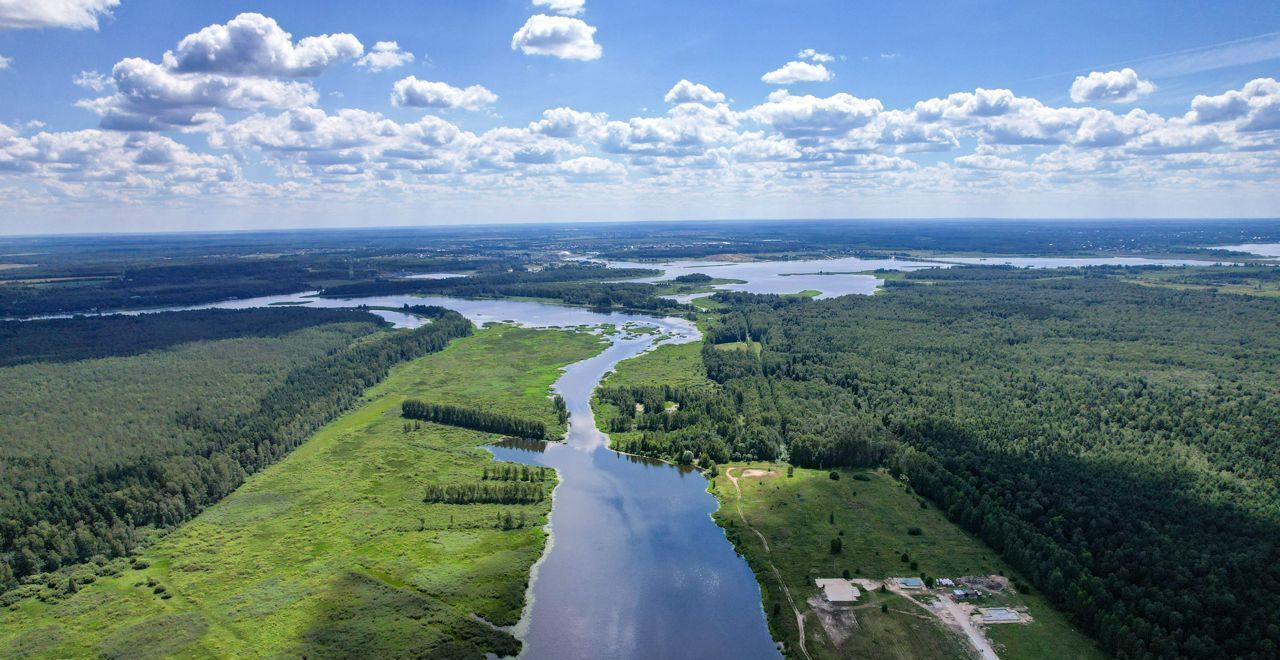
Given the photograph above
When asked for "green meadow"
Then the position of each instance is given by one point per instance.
(332, 551)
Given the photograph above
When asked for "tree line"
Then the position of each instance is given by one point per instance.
(71, 339)
(474, 419)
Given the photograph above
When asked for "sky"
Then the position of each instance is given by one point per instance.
(155, 115)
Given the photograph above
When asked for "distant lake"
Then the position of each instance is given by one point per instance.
(852, 275)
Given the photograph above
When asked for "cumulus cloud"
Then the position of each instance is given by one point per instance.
(5, 62)
(151, 96)
(590, 168)
(254, 45)
(811, 54)
(384, 55)
(567, 122)
(1254, 107)
(74, 14)
(1123, 86)
(414, 93)
(142, 165)
(562, 7)
(238, 65)
(688, 92)
(808, 116)
(794, 72)
(557, 36)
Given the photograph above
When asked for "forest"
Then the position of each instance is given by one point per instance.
(99, 451)
(1115, 442)
(67, 340)
(476, 420)
(586, 284)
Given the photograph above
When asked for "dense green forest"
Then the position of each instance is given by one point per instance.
(1115, 442)
(476, 420)
(66, 340)
(97, 451)
(588, 284)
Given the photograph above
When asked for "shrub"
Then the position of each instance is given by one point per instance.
(835, 476)
(915, 531)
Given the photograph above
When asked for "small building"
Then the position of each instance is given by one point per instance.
(964, 594)
(837, 590)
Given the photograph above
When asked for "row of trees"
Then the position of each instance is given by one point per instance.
(511, 492)
(475, 419)
(515, 472)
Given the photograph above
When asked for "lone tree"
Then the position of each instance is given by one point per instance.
(836, 545)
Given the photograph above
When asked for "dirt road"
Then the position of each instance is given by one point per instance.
(776, 574)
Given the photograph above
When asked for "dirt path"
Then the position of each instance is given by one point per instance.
(787, 592)
(976, 638)
(953, 616)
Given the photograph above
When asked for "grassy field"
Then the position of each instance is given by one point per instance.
(673, 364)
(332, 552)
(871, 513)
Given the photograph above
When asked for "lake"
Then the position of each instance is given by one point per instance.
(852, 275)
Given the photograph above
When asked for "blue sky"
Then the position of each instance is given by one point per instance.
(267, 114)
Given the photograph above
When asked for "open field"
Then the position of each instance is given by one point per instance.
(331, 551)
(871, 513)
(678, 365)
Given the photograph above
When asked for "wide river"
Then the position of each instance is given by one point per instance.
(636, 568)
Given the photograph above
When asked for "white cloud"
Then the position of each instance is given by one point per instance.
(74, 14)
(140, 165)
(232, 66)
(5, 62)
(1255, 107)
(254, 45)
(688, 92)
(794, 72)
(150, 96)
(811, 54)
(567, 122)
(809, 116)
(562, 7)
(92, 80)
(590, 168)
(415, 93)
(384, 55)
(557, 36)
(1123, 86)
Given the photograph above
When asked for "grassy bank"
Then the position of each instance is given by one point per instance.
(332, 552)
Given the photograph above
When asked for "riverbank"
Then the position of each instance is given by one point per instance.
(332, 551)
